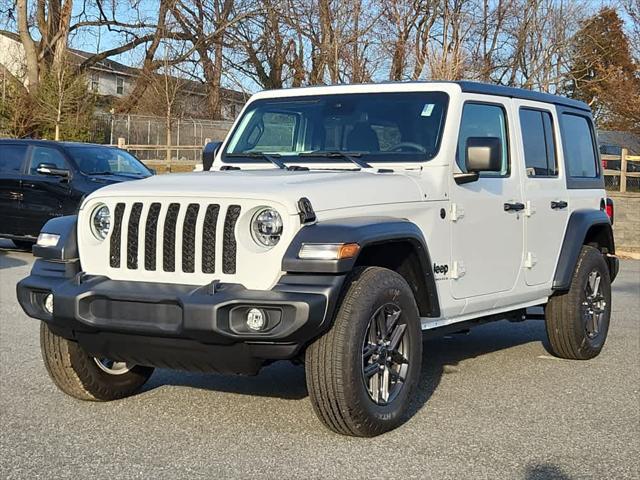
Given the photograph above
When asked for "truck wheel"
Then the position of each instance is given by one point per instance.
(362, 372)
(84, 377)
(577, 321)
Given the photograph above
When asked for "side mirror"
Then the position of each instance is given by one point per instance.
(483, 154)
(52, 170)
(208, 154)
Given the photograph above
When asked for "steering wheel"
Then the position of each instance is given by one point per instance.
(416, 146)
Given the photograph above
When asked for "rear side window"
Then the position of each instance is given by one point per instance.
(12, 157)
(538, 143)
(578, 146)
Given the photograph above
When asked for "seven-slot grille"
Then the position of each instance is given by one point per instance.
(162, 227)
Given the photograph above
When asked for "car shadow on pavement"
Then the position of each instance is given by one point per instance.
(545, 471)
(444, 355)
(441, 356)
(9, 261)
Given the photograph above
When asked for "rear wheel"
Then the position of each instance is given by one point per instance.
(578, 320)
(362, 372)
(85, 377)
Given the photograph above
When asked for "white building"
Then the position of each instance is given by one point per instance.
(111, 79)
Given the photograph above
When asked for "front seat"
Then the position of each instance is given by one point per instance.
(363, 138)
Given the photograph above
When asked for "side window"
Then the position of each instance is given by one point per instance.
(483, 120)
(12, 157)
(46, 155)
(279, 132)
(538, 143)
(580, 155)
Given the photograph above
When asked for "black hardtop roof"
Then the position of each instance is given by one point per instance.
(522, 93)
(35, 141)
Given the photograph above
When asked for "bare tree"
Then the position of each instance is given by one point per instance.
(205, 24)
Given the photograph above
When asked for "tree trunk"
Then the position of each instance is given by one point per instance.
(30, 51)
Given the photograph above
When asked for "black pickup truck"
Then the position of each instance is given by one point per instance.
(40, 180)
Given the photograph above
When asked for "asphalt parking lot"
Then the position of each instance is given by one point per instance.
(491, 404)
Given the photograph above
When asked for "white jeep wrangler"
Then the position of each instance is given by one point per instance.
(336, 226)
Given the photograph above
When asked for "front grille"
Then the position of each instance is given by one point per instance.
(190, 228)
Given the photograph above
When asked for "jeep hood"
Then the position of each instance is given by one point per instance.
(326, 190)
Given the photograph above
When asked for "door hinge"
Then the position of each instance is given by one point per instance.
(457, 212)
(458, 270)
(530, 260)
(529, 209)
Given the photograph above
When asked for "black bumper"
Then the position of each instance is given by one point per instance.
(180, 326)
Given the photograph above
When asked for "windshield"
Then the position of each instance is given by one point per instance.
(94, 160)
(376, 127)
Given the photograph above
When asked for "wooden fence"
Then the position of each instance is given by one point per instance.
(163, 159)
(622, 172)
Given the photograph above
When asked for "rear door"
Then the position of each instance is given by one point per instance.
(43, 196)
(12, 158)
(544, 190)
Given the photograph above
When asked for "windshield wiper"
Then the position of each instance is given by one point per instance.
(271, 157)
(351, 156)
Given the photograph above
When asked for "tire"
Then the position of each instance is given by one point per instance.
(335, 363)
(24, 244)
(77, 374)
(574, 332)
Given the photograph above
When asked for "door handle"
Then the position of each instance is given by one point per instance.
(559, 205)
(15, 196)
(516, 207)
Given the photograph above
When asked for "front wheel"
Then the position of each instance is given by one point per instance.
(578, 320)
(362, 372)
(85, 377)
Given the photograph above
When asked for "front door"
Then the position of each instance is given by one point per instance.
(12, 158)
(544, 186)
(487, 215)
(43, 195)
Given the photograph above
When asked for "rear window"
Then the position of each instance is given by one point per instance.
(12, 158)
(580, 154)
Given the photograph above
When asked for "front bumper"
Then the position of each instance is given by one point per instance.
(180, 326)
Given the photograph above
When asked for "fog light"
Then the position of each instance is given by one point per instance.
(256, 319)
(48, 304)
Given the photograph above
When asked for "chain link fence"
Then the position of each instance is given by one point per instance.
(146, 132)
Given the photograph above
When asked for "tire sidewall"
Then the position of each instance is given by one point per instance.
(591, 260)
(383, 287)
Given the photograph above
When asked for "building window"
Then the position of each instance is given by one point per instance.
(233, 110)
(120, 85)
(95, 81)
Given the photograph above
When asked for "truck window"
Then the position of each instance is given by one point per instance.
(577, 139)
(538, 142)
(483, 120)
(12, 157)
(47, 155)
(276, 132)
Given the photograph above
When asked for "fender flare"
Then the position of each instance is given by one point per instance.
(575, 235)
(365, 231)
(67, 246)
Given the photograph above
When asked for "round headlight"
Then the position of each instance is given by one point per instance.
(101, 222)
(266, 227)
